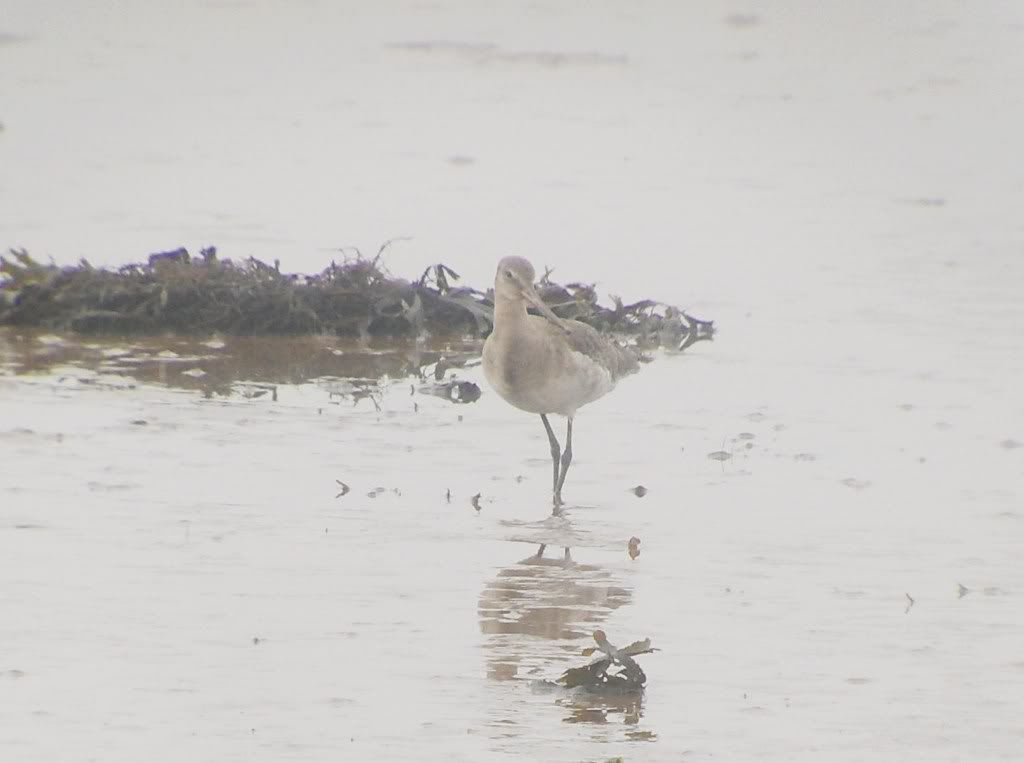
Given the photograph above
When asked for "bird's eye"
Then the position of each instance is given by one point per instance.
(508, 274)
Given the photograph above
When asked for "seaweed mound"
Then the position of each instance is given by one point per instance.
(176, 292)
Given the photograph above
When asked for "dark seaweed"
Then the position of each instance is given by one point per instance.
(176, 292)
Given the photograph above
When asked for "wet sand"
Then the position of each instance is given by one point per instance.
(181, 573)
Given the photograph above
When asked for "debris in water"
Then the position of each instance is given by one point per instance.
(475, 500)
(594, 676)
(454, 391)
(910, 603)
(743, 20)
(448, 495)
(255, 391)
(962, 590)
(634, 547)
(639, 491)
(344, 488)
(720, 455)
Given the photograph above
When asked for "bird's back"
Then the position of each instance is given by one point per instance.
(620, 361)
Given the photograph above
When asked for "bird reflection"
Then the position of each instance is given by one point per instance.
(536, 612)
(552, 597)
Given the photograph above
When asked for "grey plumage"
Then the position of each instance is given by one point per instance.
(545, 364)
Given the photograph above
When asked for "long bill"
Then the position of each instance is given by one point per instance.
(530, 295)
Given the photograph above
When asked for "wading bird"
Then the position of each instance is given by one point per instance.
(545, 364)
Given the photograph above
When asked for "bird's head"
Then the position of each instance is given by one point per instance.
(514, 283)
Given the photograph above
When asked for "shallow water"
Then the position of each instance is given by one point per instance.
(181, 570)
(836, 189)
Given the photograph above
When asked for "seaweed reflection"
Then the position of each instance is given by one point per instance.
(249, 367)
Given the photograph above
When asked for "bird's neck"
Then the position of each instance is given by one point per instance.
(509, 314)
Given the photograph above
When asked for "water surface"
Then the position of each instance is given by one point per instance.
(183, 569)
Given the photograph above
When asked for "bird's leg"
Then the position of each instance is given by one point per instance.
(556, 453)
(565, 460)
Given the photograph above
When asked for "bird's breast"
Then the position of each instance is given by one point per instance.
(543, 376)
